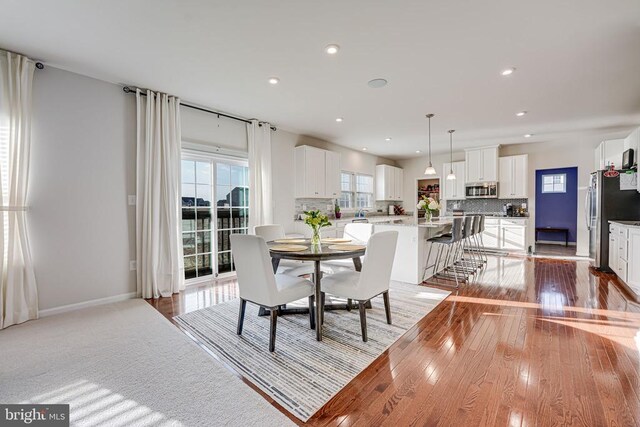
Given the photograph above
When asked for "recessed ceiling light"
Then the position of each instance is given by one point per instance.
(387, 139)
(521, 113)
(332, 49)
(274, 80)
(418, 151)
(528, 135)
(508, 71)
(377, 83)
(339, 119)
(364, 148)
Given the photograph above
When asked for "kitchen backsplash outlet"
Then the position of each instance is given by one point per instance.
(483, 205)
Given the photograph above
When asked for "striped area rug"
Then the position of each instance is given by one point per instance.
(304, 374)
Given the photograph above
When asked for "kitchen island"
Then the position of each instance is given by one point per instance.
(413, 247)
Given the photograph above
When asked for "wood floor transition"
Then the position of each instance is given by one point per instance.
(533, 342)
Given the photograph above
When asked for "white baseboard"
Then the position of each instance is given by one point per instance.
(555, 242)
(85, 304)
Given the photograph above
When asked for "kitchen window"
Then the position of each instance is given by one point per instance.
(215, 204)
(357, 191)
(554, 183)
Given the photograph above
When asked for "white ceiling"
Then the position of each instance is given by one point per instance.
(578, 62)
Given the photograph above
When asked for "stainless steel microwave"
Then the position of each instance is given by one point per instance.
(481, 190)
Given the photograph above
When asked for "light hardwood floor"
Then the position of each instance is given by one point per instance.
(533, 342)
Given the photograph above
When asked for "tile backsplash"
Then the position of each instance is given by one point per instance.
(483, 205)
(321, 204)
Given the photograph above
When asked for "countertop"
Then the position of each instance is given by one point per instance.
(372, 219)
(630, 224)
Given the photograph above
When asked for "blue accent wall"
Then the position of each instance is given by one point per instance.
(557, 209)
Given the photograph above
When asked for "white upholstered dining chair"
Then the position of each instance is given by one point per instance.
(259, 285)
(372, 281)
(357, 232)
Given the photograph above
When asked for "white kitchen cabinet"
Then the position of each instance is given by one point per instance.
(513, 172)
(453, 189)
(512, 238)
(505, 234)
(317, 173)
(332, 178)
(482, 164)
(389, 182)
(491, 234)
(633, 256)
(399, 183)
(609, 152)
(613, 247)
(624, 253)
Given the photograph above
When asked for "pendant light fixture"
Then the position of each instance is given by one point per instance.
(430, 170)
(451, 175)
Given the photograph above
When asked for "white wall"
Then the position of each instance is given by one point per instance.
(633, 142)
(414, 170)
(549, 155)
(205, 131)
(283, 144)
(543, 155)
(82, 169)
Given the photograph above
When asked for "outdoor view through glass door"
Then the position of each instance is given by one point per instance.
(215, 204)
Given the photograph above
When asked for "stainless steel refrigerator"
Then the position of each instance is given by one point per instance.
(606, 202)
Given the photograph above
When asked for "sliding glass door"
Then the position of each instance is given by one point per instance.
(215, 204)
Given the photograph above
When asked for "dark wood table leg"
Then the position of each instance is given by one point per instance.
(357, 263)
(317, 277)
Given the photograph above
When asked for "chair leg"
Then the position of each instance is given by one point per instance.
(322, 298)
(363, 319)
(243, 306)
(387, 307)
(312, 314)
(272, 330)
(349, 302)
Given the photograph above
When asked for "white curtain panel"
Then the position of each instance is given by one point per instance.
(18, 291)
(158, 226)
(260, 197)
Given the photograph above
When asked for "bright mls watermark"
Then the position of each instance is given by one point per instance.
(34, 415)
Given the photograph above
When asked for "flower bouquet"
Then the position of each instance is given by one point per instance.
(430, 205)
(316, 220)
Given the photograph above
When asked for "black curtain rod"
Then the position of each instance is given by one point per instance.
(127, 89)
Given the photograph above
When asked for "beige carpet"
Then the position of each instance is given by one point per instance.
(124, 364)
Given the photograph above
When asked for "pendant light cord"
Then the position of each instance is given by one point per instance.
(451, 149)
(429, 139)
(429, 117)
